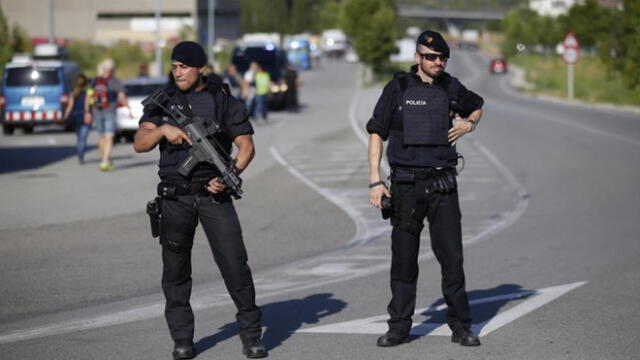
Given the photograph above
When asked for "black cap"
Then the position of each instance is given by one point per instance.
(189, 53)
(434, 41)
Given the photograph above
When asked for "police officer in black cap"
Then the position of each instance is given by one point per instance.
(200, 196)
(423, 113)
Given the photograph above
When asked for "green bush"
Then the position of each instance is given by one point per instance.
(592, 82)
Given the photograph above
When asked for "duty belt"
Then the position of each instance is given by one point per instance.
(192, 189)
(171, 189)
(401, 173)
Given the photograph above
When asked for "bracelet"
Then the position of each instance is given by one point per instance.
(374, 184)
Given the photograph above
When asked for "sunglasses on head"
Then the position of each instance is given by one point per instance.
(433, 57)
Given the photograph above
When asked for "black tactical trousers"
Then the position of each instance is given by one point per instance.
(222, 227)
(442, 211)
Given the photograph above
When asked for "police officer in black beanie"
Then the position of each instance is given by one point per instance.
(200, 197)
(423, 113)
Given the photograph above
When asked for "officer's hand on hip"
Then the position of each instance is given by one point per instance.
(375, 195)
(215, 186)
(174, 135)
(460, 128)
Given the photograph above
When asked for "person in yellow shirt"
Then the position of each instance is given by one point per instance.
(263, 84)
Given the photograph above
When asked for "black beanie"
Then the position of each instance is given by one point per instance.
(434, 41)
(189, 53)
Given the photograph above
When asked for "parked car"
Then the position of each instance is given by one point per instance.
(35, 92)
(136, 89)
(498, 66)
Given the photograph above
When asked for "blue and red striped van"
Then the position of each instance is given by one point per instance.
(35, 92)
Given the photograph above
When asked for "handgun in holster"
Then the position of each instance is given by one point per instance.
(387, 207)
(154, 209)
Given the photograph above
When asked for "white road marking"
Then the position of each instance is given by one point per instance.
(378, 325)
(272, 283)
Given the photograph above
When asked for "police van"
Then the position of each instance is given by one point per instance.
(36, 90)
(264, 49)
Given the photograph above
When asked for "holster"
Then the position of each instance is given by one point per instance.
(387, 207)
(154, 210)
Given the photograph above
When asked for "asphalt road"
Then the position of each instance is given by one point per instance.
(550, 221)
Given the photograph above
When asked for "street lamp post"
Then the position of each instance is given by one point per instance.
(52, 25)
(210, 27)
(158, 38)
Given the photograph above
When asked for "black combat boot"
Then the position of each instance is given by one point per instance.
(392, 338)
(184, 349)
(465, 338)
(253, 348)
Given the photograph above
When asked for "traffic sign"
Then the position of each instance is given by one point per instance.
(571, 53)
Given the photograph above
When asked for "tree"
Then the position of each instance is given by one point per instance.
(587, 22)
(5, 44)
(20, 40)
(329, 15)
(371, 24)
(264, 16)
(519, 27)
(548, 33)
(288, 16)
(621, 48)
(356, 14)
(87, 55)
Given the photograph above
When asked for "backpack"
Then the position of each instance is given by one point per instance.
(98, 94)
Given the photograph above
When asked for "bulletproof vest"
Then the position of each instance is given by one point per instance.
(208, 104)
(420, 136)
(425, 115)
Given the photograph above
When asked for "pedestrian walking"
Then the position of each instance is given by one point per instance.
(248, 91)
(263, 85)
(75, 114)
(105, 92)
(293, 83)
(414, 113)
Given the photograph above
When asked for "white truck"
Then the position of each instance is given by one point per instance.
(469, 39)
(334, 43)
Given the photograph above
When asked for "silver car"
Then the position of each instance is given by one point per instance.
(136, 89)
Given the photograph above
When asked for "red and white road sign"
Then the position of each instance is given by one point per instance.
(571, 53)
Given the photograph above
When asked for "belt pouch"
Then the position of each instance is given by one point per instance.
(168, 191)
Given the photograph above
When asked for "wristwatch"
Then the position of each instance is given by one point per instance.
(473, 125)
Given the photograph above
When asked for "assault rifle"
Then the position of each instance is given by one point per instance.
(204, 148)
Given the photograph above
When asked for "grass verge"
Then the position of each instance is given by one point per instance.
(593, 82)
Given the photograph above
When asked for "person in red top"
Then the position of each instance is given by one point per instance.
(100, 108)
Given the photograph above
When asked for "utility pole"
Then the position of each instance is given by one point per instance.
(211, 7)
(158, 38)
(52, 25)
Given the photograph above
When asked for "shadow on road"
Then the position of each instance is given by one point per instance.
(281, 320)
(26, 158)
(485, 304)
